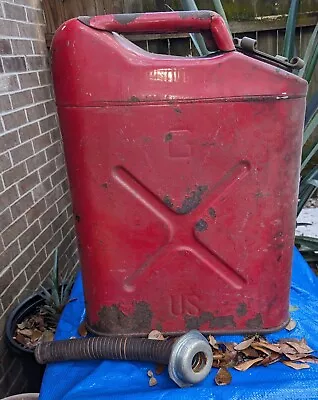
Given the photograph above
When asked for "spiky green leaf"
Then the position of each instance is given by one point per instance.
(289, 39)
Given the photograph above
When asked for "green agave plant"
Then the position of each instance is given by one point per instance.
(309, 177)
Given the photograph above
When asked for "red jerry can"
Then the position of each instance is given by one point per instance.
(183, 173)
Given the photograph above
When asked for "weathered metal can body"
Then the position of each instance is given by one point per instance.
(184, 177)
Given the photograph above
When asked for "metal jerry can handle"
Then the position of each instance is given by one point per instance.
(165, 22)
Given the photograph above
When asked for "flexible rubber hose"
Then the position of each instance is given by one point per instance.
(100, 348)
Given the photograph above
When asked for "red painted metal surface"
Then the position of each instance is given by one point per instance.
(184, 176)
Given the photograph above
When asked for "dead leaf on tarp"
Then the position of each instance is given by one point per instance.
(309, 359)
(213, 342)
(286, 349)
(150, 373)
(294, 365)
(271, 359)
(245, 344)
(260, 348)
(152, 381)
(155, 335)
(301, 347)
(250, 352)
(293, 308)
(82, 330)
(244, 366)
(291, 325)
(159, 369)
(223, 377)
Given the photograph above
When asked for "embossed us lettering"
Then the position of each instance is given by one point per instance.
(182, 304)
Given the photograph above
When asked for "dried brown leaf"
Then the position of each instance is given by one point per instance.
(259, 347)
(36, 335)
(247, 364)
(270, 359)
(286, 349)
(291, 325)
(82, 331)
(149, 373)
(295, 357)
(48, 336)
(251, 352)
(21, 339)
(223, 377)
(156, 335)
(22, 325)
(159, 369)
(245, 344)
(213, 342)
(309, 359)
(153, 380)
(272, 347)
(301, 347)
(294, 365)
(26, 332)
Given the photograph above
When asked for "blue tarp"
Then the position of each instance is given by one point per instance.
(128, 380)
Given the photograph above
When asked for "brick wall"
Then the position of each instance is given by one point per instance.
(35, 210)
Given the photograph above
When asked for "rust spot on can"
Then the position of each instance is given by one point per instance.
(207, 317)
(255, 323)
(212, 212)
(126, 18)
(241, 310)
(113, 320)
(134, 99)
(177, 110)
(105, 185)
(167, 201)
(192, 200)
(168, 137)
(77, 218)
(201, 225)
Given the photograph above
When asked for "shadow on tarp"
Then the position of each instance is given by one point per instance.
(94, 380)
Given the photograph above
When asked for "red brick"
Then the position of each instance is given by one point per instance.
(21, 262)
(30, 30)
(5, 279)
(35, 211)
(5, 162)
(9, 140)
(53, 242)
(14, 120)
(35, 264)
(42, 240)
(28, 80)
(13, 290)
(48, 216)
(8, 83)
(30, 234)
(21, 46)
(36, 161)
(50, 107)
(41, 142)
(42, 94)
(42, 189)
(14, 12)
(5, 47)
(58, 176)
(21, 99)
(21, 206)
(22, 152)
(8, 197)
(14, 174)
(35, 63)
(29, 132)
(28, 183)
(9, 254)
(14, 230)
(47, 170)
(9, 28)
(5, 104)
(53, 150)
(35, 16)
(14, 64)
(45, 77)
(35, 112)
(6, 219)
(53, 196)
(48, 123)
